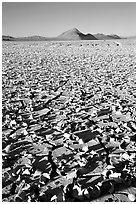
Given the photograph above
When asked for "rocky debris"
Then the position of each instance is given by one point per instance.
(68, 122)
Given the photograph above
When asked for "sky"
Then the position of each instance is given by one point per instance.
(50, 19)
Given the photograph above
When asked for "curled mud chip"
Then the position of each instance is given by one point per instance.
(93, 153)
(46, 175)
(106, 186)
(17, 198)
(26, 172)
(132, 197)
(115, 176)
(110, 167)
(26, 187)
(81, 163)
(125, 156)
(86, 193)
(81, 141)
(36, 174)
(7, 148)
(77, 192)
(127, 180)
(66, 135)
(72, 174)
(54, 198)
(109, 200)
(112, 187)
(106, 173)
(85, 148)
(94, 191)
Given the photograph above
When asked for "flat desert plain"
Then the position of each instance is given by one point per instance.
(69, 121)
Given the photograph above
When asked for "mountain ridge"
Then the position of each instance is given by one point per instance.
(75, 34)
(72, 34)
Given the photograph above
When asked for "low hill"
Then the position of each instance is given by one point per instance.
(101, 36)
(7, 38)
(35, 38)
(113, 36)
(29, 38)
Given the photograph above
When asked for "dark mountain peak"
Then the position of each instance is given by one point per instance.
(75, 34)
(7, 38)
(71, 31)
(75, 30)
(89, 36)
(101, 36)
(114, 36)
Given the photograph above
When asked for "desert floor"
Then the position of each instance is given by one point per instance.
(69, 121)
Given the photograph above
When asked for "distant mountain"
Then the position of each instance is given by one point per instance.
(7, 38)
(35, 38)
(101, 36)
(75, 34)
(113, 36)
(30, 38)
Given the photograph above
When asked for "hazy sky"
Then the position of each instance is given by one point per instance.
(50, 19)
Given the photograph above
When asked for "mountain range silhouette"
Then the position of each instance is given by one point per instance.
(72, 34)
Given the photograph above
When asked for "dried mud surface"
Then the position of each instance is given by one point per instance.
(69, 121)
